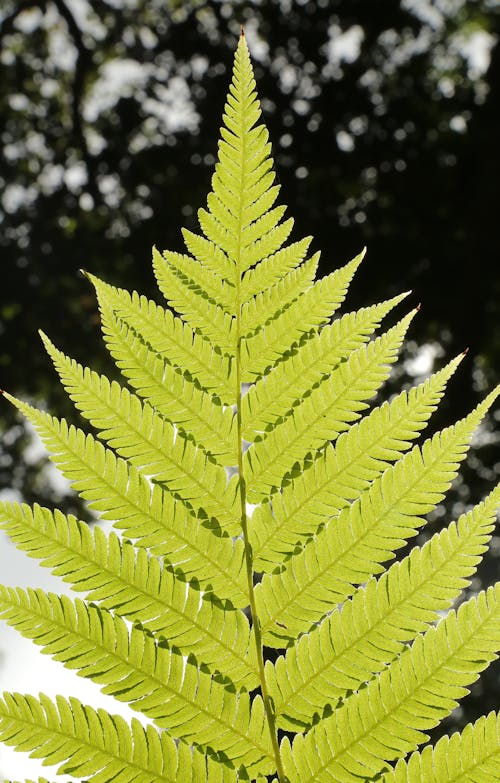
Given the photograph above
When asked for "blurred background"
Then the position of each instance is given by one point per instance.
(385, 123)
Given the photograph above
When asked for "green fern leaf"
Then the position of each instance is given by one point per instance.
(212, 287)
(339, 474)
(389, 717)
(470, 757)
(323, 415)
(367, 533)
(267, 306)
(173, 394)
(99, 746)
(133, 429)
(315, 307)
(210, 256)
(123, 578)
(137, 587)
(186, 471)
(195, 307)
(351, 645)
(273, 396)
(170, 337)
(272, 269)
(248, 394)
(147, 674)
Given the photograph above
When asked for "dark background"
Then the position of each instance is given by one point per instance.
(385, 122)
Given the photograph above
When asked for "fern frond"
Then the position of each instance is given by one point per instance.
(350, 548)
(472, 756)
(152, 516)
(140, 588)
(200, 279)
(195, 307)
(339, 473)
(101, 747)
(273, 396)
(359, 640)
(254, 229)
(170, 392)
(273, 239)
(88, 559)
(267, 305)
(240, 220)
(217, 233)
(210, 256)
(325, 413)
(137, 432)
(190, 472)
(255, 209)
(272, 269)
(133, 667)
(258, 501)
(315, 307)
(170, 336)
(388, 718)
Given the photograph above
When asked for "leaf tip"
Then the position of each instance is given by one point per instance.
(157, 255)
(48, 344)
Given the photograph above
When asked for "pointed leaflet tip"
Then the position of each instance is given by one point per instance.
(465, 351)
(48, 344)
(457, 359)
(43, 337)
(395, 300)
(355, 262)
(242, 32)
(449, 368)
(361, 255)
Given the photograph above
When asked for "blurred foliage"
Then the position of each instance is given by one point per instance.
(385, 119)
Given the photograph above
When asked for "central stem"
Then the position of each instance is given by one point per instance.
(268, 704)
